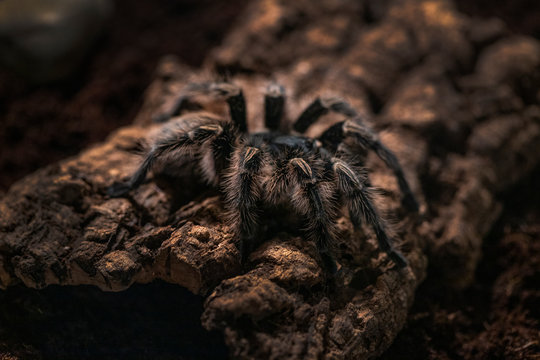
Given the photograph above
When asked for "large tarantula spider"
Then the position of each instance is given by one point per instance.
(273, 167)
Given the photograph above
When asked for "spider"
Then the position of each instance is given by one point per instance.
(276, 167)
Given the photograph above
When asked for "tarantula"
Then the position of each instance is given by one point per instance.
(275, 167)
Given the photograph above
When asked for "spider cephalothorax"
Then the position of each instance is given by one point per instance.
(273, 167)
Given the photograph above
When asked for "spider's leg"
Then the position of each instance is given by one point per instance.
(235, 99)
(356, 129)
(320, 107)
(225, 91)
(274, 102)
(175, 109)
(365, 137)
(171, 141)
(310, 200)
(215, 154)
(277, 183)
(230, 93)
(243, 192)
(360, 204)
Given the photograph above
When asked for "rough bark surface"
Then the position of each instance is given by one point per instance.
(456, 100)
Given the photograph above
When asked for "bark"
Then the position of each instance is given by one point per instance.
(455, 99)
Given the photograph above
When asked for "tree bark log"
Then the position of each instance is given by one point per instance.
(455, 99)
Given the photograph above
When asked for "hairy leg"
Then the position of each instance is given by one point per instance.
(367, 139)
(360, 132)
(225, 91)
(243, 194)
(360, 204)
(168, 142)
(180, 103)
(314, 202)
(320, 107)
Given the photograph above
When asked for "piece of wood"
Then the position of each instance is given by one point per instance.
(455, 99)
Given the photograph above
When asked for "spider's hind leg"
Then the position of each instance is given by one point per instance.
(360, 204)
(180, 103)
(234, 97)
(274, 103)
(225, 91)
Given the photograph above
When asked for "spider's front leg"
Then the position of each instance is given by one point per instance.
(367, 139)
(356, 129)
(242, 195)
(315, 204)
(168, 142)
(360, 204)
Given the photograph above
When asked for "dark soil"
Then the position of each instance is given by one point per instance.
(143, 322)
(522, 16)
(41, 125)
(496, 318)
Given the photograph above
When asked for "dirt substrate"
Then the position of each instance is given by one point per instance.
(497, 317)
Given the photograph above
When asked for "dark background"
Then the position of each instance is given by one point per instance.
(42, 124)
